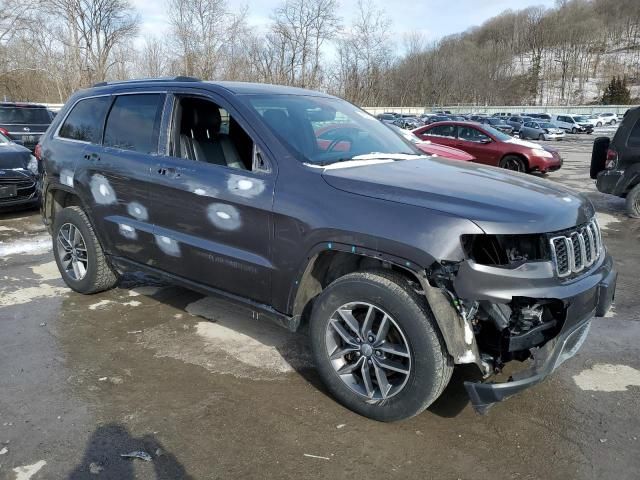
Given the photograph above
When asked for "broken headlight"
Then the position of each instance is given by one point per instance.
(508, 251)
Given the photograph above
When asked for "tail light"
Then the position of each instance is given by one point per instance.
(37, 152)
(612, 159)
(5, 132)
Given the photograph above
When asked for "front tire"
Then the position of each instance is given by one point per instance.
(541, 137)
(377, 346)
(574, 130)
(514, 163)
(78, 253)
(633, 202)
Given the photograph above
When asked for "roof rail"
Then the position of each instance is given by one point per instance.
(179, 78)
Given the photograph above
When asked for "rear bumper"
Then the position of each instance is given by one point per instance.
(550, 356)
(614, 182)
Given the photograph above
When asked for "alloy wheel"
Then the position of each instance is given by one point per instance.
(368, 350)
(514, 164)
(72, 251)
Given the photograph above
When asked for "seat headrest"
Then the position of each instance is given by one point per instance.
(200, 119)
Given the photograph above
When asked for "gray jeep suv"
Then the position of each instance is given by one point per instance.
(403, 265)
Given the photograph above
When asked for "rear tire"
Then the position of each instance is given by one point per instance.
(599, 124)
(613, 122)
(426, 366)
(633, 202)
(96, 274)
(514, 163)
(541, 137)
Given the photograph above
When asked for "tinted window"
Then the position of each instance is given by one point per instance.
(134, 123)
(86, 120)
(634, 136)
(471, 134)
(28, 115)
(443, 131)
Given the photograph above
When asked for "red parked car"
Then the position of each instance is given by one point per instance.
(492, 147)
(431, 148)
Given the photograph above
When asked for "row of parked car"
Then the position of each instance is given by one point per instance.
(541, 126)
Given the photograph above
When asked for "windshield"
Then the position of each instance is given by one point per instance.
(503, 137)
(580, 118)
(547, 125)
(326, 130)
(495, 121)
(26, 115)
(406, 134)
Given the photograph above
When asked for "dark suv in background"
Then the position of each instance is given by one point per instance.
(615, 163)
(403, 265)
(24, 122)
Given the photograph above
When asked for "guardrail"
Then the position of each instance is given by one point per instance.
(511, 109)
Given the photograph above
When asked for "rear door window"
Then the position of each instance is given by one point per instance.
(86, 120)
(134, 122)
(448, 131)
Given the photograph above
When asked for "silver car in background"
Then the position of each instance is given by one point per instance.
(541, 130)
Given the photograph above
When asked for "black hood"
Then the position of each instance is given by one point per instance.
(498, 201)
(13, 156)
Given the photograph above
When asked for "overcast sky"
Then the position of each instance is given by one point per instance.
(433, 18)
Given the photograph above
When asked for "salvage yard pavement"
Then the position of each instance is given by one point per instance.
(154, 381)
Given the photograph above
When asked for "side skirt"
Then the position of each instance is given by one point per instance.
(258, 309)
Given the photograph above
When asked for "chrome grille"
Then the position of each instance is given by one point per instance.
(577, 249)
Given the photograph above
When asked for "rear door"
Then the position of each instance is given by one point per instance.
(116, 175)
(213, 222)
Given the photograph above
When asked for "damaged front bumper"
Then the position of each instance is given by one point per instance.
(582, 307)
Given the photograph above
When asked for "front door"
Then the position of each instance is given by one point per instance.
(212, 199)
(478, 144)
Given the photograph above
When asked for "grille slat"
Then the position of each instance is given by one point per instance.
(576, 250)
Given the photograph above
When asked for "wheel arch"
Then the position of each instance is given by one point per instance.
(328, 264)
(520, 155)
(57, 197)
(329, 261)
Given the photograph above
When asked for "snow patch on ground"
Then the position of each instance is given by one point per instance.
(32, 246)
(604, 377)
(606, 219)
(27, 295)
(46, 271)
(100, 304)
(243, 347)
(28, 471)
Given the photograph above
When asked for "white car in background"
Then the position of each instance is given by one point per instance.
(608, 118)
(594, 120)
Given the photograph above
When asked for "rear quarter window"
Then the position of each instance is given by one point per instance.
(634, 135)
(84, 122)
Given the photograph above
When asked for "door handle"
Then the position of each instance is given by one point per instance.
(92, 156)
